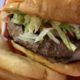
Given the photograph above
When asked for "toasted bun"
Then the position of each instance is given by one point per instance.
(67, 69)
(5, 75)
(59, 10)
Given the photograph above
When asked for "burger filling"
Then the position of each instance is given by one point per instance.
(53, 40)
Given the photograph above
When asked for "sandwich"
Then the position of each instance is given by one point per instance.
(17, 67)
(46, 31)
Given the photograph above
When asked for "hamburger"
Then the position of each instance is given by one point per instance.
(18, 67)
(46, 31)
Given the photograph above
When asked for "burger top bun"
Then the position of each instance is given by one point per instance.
(59, 10)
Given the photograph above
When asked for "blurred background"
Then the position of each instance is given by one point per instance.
(1, 3)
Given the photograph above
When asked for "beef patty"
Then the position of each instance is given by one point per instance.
(47, 48)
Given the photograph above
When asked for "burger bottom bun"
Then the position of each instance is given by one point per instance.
(5, 75)
(72, 69)
(17, 67)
